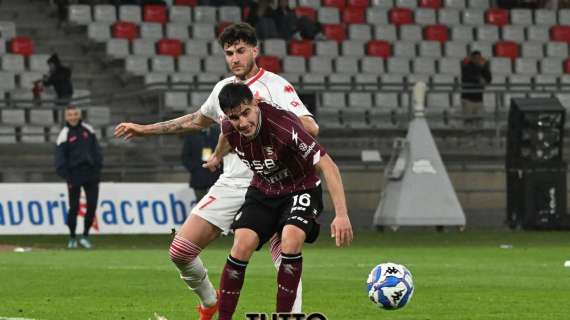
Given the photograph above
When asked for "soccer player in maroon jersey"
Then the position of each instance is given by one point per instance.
(284, 197)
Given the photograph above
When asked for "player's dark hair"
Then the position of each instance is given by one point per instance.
(475, 53)
(71, 107)
(233, 95)
(236, 32)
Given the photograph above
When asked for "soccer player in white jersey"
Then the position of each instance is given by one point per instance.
(214, 214)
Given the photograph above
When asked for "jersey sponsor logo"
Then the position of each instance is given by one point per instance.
(294, 136)
(308, 150)
(295, 104)
(289, 89)
(72, 139)
(278, 176)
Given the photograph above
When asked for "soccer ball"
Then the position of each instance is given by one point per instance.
(390, 285)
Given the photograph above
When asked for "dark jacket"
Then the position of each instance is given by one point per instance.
(194, 144)
(474, 77)
(78, 156)
(60, 78)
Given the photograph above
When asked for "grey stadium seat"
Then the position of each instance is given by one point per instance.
(521, 16)
(155, 77)
(520, 82)
(7, 135)
(12, 62)
(563, 16)
(205, 14)
(377, 16)
(163, 64)
(526, 66)
(354, 48)
(181, 79)
(424, 65)
(425, 16)
(99, 31)
(229, 14)
(144, 47)
(501, 66)
(79, 14)
(537, 33)
(216, 49)
(203, 31)
(487, 33)
(7, 80)
(455, 49)
(346, 65)
(383, 3)
(411, 32)
(387, 100)
(360, 32)
(551, 66)
(310, 3)
(14, 117)
(335, 100)
(457, 4)
(197, 48)
(485, 47)
(38, 62)
(33, 134)
(7, 29)
(398, 65)
(180, 14)
(329, 118)
(532, 50)
(545, 17)
(105, 13)
(42, 117)
(340, 81)
(366, 81)
(354, 118)
(177, 31)
(137, 65)
(326, 48)
(385, 32)
(430, 49)
(462, 33)
(557, 49)
(206, 81)
(406, 3)
(176, 100)
(371, 65)
(360, 100)
(214, 65)
(130, 13)
(27, 79)
(437, 101)
(117, 48)
(322, 65)
(480, 4)
(450, 66)
(276, 47)
(412, 79)
(314, 80)
(149, 30)
(189, 64)
(448, 16)
(294, 64)
(2, 44)
(443, 81)
(513, 33)
(198, 98)
(473, 17)
(328, 15)
(549, 82)
(293, 78)
(98, 115)
(405, 49)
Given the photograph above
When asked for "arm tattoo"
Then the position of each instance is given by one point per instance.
(177, 125)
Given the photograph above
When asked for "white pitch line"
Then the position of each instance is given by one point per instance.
(8, 318)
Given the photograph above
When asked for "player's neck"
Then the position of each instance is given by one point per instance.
(251, 73)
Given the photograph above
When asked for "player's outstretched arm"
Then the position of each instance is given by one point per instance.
(187, 123)
(310, 125)
(222, 148)
(341, 229)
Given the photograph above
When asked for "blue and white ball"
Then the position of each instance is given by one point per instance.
(390, 285)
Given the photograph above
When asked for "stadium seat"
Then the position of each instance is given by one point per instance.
(27, 79)
(2, 46)
(537, 33)
(32, 134)
(532, 50)
(455, 49)
(328, 15)
(189, 64)
(203, 31)
(155, 13)
(412, 4)
(181, 79)
(38, 62)
(12, 62)
(7, 81)
(130, 13)
(563, 15)
(335, 32)
(430, 49)
(177, 31)
(377, 16)
(21, 45)
(164, 64)
(212, 64)
(150, 30)
(105, 13)
(320, 65)
(137, 65)
(340, 81)
(397, 65)
(443, 81)
(198, 98)
(473, 17)
(366, 81)
(400, 16)
(455, 4)
(479, 4)
(293, 78)
(79, 14)
(98, 115)
(41, 117)
(270, 63)
(353, 48)
(197, 48)
(180, 14)
(450, 66)
(346, 65)
(153, 78)
(383, 3)
(485, 47)
(433, 4)
(220, 27)
(190, 3)
(353, 15)
(302, 48)
(519, 16)
(448, 17)
(7, 135)
(294, 64)
(371, 65)
(560, 33)
(308, 12)
(354, 118)
(487, 33)
(310, 3)
(545, 17)
(360, 32)
(144, 47)
(496, 16)
(513, 33)
(507, 49)
(329, 118)
(117, 48)
(557, 49)
(340, 4)
(405, 49)
(387, 100)
(205, 14)
(169, 47)
(411, 32)
(386, 32)
(99, 31)
(327, 48)
(526, 66)
(424, 65)
(379, 48)
(229, 14)
(358, 3)
(436, 33)
(275, 47)
(125, 30)
(13, 117)
(7, 30)
(501, 66)
(313, 80)
(336, 100)
(425, 16)
(437, 101)
(462, 33)
(176, 100)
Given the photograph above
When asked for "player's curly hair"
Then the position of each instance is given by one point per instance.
(233, 95)
(236, 32)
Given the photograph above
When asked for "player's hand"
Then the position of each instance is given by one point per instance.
(341, 230)
(212, 163)
(127, 130)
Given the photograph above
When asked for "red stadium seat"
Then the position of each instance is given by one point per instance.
(269, 63)
(155, 13)
(496, 16)
(335, 32)
(436, 32)
(125, 30)
(353, 15)
(358, 3)
(306, 12)
(302, 48)
(22, 45)
(191, 3)
(340, 4)
(560, 33)
(399, 16)
(507, 49)
(169, 47)
(567, 66)
(379, 48)
(221, 26)
(433, 4)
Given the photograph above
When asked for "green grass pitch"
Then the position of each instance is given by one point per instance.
(457, 275)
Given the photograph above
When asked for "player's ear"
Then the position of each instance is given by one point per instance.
(255, 51)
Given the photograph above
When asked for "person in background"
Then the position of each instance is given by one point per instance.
(59, 77)
(475, 74)
(197, 149)
(261, 17)
(79, 160)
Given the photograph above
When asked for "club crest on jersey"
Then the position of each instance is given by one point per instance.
(269, 153)
(289, 89)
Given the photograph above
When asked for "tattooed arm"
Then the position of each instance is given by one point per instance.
(187, 123)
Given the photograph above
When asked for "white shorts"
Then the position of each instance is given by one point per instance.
(220, 205)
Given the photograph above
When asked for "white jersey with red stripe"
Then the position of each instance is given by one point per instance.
(264, 85)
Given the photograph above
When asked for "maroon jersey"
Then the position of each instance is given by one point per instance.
(282, 155)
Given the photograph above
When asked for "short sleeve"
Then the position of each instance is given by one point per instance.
(286, 97)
